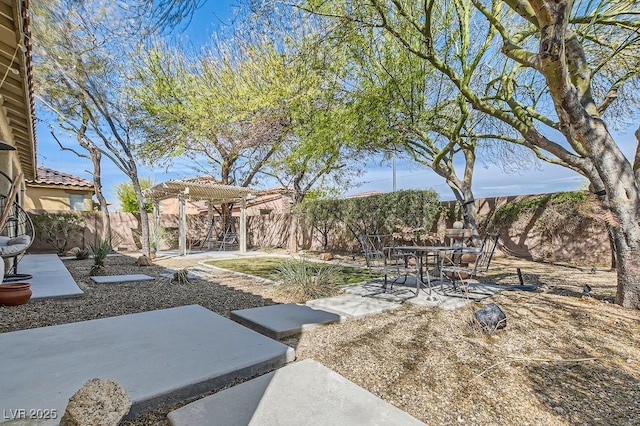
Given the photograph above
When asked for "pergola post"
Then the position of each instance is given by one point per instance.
(182, 225)
(156, 214)
(243, 225)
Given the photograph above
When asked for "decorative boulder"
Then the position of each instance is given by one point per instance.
(99, 402)
(144, 261)
(326, 256)
(491, 318)
(73, 251)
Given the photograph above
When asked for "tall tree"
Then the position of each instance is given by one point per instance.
(81, 53)
(553, 82)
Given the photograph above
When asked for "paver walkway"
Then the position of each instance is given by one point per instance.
(50, 277)
(280, 321)
(302, 393)
(159, 357)
(116, 279)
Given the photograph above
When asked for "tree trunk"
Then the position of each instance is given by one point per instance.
(96, 157)
(564, 65)
(144, 217)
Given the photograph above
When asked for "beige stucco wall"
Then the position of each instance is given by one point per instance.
(10, 165)
(54, 199)
(170, 206)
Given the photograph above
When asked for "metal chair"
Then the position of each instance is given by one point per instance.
(381, 258)
(468, 262)
(16, 232)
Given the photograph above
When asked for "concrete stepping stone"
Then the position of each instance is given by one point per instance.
(159, 357)
(116, 279)
(303, 393)
(51, 279)
(280, 321)
(352, 305)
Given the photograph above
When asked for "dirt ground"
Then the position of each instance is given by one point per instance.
(563, 359)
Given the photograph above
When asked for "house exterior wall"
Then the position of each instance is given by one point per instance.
(169, 206)
(55, 198)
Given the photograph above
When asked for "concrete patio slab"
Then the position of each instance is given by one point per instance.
(303, 393)
(280, 321)
(159, 357)
(444, 297)
(117, 279)
(50, 277)
(352, 305)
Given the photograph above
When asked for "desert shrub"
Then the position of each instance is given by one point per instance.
(57, 228)
(301, 280)
(100, 249)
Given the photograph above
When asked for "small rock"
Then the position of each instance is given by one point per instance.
(99, 402)
(73, 251)
(559, 410)
(144, 261)
(326, 256)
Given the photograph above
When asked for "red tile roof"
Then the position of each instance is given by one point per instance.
(54, 177)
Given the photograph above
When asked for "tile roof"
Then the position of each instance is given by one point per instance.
(54, 177)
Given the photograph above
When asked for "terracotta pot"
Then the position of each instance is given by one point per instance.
(13, 294)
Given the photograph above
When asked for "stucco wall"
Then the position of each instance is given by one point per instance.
(54, 199)
(585, 244)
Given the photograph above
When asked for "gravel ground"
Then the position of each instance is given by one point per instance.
(563, 359)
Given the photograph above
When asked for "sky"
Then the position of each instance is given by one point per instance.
(489, 179)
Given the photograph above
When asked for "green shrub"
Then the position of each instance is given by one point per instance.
(559, 201)
(57, 228)
(376, 214)
(100, 250)
(302, 281)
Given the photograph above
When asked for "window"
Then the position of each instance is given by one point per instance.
(76, 202)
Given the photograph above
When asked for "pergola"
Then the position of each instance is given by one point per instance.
(212, 192)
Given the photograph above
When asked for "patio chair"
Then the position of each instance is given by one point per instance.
(468, 262)
(381, 259)
(16, 233)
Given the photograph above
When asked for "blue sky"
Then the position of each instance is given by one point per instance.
(489, 180)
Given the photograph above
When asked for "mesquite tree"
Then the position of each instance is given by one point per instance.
(555, 70)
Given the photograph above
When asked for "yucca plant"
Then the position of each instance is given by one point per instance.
(301, 280)
(100, 250)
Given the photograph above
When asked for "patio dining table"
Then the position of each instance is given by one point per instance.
(420, 252)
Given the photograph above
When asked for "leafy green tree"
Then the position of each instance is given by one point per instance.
(127, 196)
(322, 215)
(561, 68)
